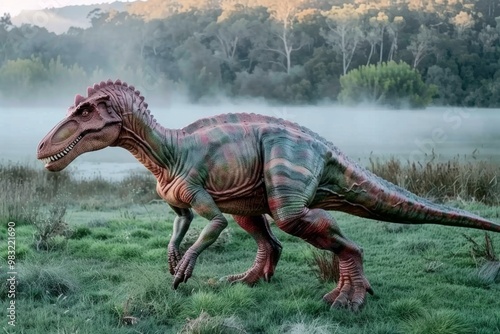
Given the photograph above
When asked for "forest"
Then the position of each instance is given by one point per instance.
(440, 52)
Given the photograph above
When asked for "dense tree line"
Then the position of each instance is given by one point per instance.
(294, 51)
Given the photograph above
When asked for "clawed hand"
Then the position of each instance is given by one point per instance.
(174, 257)
(184, 268)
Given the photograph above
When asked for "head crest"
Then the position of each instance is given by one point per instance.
(98, 86)
(78, 99)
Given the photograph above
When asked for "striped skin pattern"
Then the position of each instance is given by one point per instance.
(248, 166)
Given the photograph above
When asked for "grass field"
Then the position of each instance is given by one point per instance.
(99, 267)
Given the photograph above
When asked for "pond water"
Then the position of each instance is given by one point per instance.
(359, 132)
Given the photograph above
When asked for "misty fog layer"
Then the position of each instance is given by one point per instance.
(359, 132)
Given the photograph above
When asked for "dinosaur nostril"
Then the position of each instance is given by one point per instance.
(40, 146)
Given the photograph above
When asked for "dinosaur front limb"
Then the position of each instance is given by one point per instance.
(210, 233)
(181, 225)
(204, 205)
(268, 250)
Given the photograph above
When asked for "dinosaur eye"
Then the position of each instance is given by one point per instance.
(85, 113)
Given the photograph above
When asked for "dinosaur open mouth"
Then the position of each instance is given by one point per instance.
(61, 154)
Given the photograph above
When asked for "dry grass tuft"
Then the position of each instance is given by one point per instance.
(485, 251)
(485, 256)
(325, 265)
(206, 324)
(126, 318)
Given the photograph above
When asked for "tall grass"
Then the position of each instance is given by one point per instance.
(22, 189)
(25, 191)
(444, 181)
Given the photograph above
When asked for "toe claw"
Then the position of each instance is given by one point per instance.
(338, 305)
(355, 307)
(177, 281)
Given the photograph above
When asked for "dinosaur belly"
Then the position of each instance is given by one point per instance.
(250, 201)
(243, 206)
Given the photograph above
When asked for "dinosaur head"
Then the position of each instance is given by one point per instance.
(91, 124)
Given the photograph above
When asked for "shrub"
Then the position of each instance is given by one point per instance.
(47, 229)
(393, 84)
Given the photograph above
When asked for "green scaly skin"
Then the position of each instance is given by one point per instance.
(248, 166)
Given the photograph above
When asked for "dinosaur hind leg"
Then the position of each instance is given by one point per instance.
(318, 228)
(268, 250)
(292, 173)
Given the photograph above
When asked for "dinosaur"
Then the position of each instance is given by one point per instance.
(248, 166)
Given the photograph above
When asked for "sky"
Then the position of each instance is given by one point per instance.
(14, 7)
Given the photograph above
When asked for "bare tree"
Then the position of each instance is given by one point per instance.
(380, 22)
(393, 30)
(373, 38)
(422, 44)
(284, 14)
(228, 34)
(343, 31)
(5, 38)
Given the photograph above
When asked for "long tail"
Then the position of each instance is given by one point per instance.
(367, 195)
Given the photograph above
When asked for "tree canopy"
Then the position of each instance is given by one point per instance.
(296, 51)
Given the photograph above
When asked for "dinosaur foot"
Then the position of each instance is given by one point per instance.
(351, 289)
(268, 255)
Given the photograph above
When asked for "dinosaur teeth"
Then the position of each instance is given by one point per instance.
(61, 154)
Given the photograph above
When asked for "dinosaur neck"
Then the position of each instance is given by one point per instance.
(149, 142)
